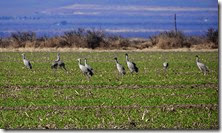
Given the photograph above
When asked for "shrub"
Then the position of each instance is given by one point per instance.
(4, 43)
(94, 38)
(74, 38)
(20, 38)
(212, 36)
(169, 40)
(82, 38)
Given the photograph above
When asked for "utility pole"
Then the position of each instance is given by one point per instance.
(175, 22)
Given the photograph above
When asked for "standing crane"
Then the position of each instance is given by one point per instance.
(165, 66)
(203, 68)
(131, 65)
(26, 62)
(120, 68)
(58, 63)
(86, 71)
(88, 66)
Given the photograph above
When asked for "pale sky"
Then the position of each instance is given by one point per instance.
(29, 7)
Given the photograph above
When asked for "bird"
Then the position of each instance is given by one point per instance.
(120, 68)
(86, 71)
(55, 63)
(88, 66)
(165, 66)
(201, 66)
(26, 62)
(58, 63)
(131, 65)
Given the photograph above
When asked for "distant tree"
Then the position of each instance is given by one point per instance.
(24, 36)
(212, 35)
(94, 38)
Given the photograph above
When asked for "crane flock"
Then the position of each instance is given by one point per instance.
(88, 71)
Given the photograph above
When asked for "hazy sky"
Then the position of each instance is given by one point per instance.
(29, 7)
(126, 17)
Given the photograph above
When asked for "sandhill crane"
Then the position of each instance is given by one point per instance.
(26, 62)
(120, 68)
(201, 66)
(86, 71)
(131, 65)
(58, 63)
(165, 66)
(88, 66)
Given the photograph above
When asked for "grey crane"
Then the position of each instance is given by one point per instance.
(120, 68)
(26, 62)
(131, 65)
(86, 71)
(58, 63)
(165, 66)
(88, 66)
(203, 68)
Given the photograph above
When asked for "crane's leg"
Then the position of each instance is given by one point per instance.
(54, 71)
(120, 75)
(86, 75)
(88, 78)
(205, 73)
(131, 72)
(65, 69)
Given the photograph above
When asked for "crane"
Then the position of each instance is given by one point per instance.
(26, 62)
(203, 68)
(131, 65)
(120, 68)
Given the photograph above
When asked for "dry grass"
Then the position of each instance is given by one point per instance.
(104, 50)
(92, 39)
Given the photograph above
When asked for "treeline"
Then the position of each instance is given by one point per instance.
(97, 39)
(19, 18)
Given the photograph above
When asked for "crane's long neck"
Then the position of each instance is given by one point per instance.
(79, 62)
(58, 58)
(116, 61)
(23, 57)
(85, 61)
(127, 59)
(197, 59)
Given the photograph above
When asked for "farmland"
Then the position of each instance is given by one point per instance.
(181, 98)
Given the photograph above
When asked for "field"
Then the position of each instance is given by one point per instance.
(181, 98)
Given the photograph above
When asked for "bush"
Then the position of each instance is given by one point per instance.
(169, 40)
(4, 43)
(20, 38)
(93, 39)
(74, 38)
(212, 36)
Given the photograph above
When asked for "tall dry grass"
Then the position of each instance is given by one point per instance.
(97, 39)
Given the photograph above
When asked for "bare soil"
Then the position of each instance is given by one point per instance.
(179, 86)
(164, 107)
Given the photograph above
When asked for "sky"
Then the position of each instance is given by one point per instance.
(126, 17)
(28, 7)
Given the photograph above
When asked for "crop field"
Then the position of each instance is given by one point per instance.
(41, 98)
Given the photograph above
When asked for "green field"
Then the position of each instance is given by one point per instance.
(181, 98)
